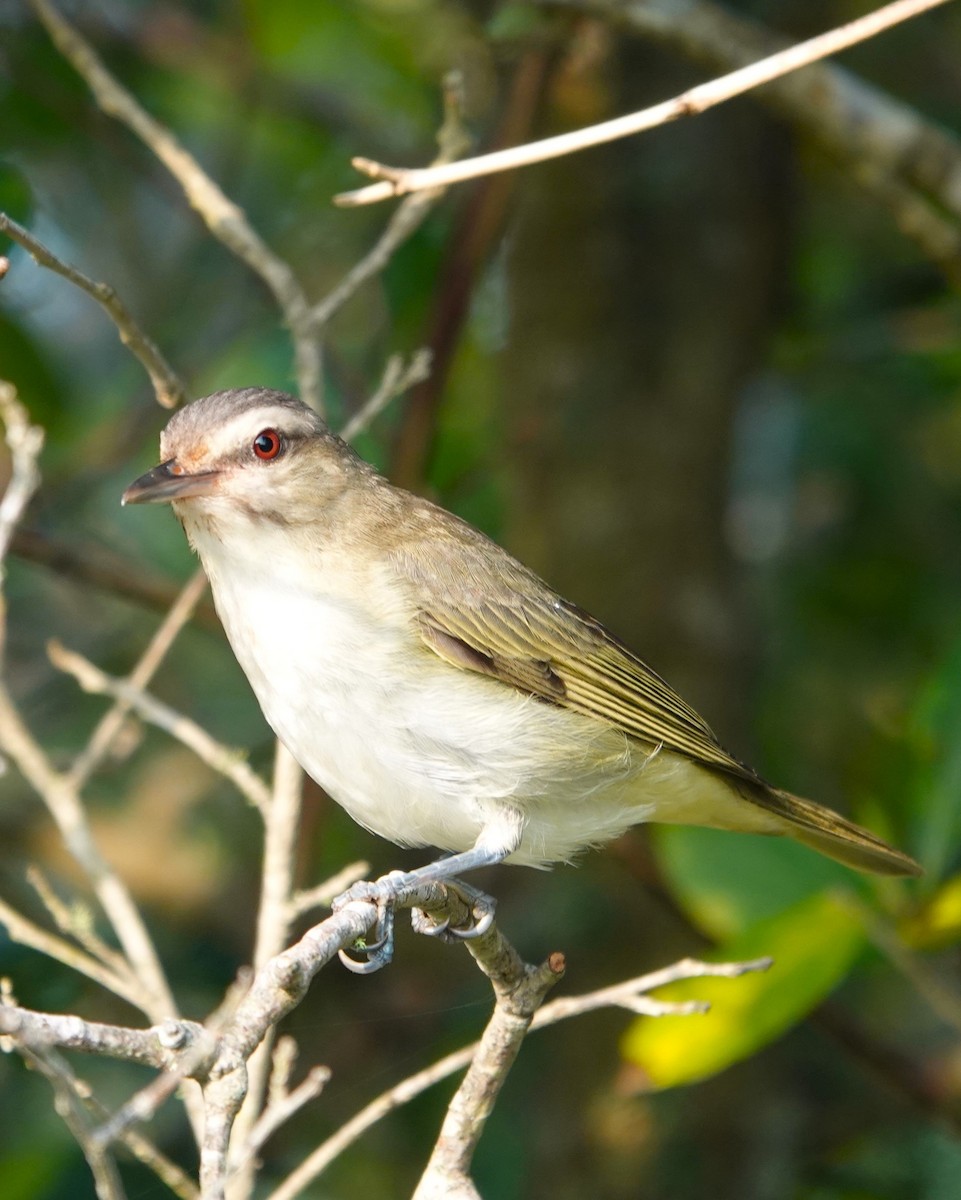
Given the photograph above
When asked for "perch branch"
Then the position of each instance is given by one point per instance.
(620, 994)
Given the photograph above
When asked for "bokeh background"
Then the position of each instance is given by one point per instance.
(701, 381)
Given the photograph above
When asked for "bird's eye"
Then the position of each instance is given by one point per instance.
(268, 444)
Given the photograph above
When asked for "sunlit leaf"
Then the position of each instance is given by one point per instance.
(938, 923)
(813, 945)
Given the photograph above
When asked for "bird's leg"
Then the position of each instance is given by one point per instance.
(497, 840)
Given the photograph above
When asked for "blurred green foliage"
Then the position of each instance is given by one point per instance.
(703, 383)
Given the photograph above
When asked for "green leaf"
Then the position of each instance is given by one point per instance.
(728, 883)
(813, 945)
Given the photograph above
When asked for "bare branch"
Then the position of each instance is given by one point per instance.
(225, 220)
(322, 894)
(281, 1109)
(21, 929)
(69, 1107)
(519, 990)
(164, 1046)
(168, 387)
(397, 379)
(63, 802)
(281, 829)
(25, 442)
(223, 759)
(398, 181)
(75, 921)
(112, 721)
(557, 1010)
(893, 152)
(90, 563)
(452, 140)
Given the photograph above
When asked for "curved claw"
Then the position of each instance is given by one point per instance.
(481, 923)
(377, 953)
(375, 962)
(422, 923)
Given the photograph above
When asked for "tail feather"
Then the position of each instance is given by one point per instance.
(827, 831)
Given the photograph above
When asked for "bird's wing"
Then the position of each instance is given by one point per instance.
(508, 624)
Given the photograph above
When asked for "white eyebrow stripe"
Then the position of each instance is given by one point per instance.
(227, 438)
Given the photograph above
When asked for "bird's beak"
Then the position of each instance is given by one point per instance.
(169, 482)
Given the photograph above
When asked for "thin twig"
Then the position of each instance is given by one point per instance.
(397, 379)
(76, 921)
(321, 895)
(63, 803)
(225, 219)
(225, 760)
(281, 829)
(452, 141)
(279, 1111)
(21, 929)
(168, 387)
(69, 1107)
(557, 1010)
(398, 181)
(24, 442)
(112, 721)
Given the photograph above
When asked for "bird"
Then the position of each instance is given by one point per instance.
(434, 686)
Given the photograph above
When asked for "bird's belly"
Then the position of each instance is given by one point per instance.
(424, 754)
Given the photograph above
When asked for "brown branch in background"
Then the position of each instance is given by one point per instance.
(907, 162)
(476, 231)
(398, 181)
(922, 1086)
(225, 219)
(93, 564)
(168, 387)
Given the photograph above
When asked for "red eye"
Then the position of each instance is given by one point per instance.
(268, 444)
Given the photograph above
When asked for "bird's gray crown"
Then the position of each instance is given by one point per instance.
(221, 421)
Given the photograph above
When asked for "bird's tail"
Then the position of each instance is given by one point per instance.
(827, 831)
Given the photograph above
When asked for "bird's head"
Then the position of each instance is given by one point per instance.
(246, 452)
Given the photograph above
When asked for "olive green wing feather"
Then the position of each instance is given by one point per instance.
(481, 610)
(511, 626)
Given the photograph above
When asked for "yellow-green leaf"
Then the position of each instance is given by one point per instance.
(813, 945)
